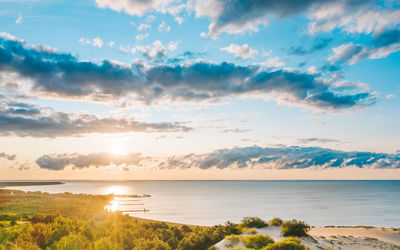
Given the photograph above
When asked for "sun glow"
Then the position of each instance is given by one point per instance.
(117, 148)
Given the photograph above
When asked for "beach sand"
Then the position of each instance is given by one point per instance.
(339, 238)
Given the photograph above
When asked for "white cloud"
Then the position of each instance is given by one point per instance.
(312, 70)
(111, 44)
(142, 36)
(127, 49)
(325, 18)
(352, 53)
(135, 7)
(164, 27)
(143, 26)
(150, 19)
(19, 19)
(390, 96)
(95, 42)
(243, 51)
(179, 19)
(157, 50)
(273, 62)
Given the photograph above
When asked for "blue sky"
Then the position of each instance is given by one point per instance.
(157, 89)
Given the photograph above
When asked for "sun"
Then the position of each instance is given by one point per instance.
(117, 148)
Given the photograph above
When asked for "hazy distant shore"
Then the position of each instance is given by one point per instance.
(28, 183)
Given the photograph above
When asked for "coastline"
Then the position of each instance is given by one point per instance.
(328, 237)
(4, 184)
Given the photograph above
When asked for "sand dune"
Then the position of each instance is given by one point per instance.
(340, 238)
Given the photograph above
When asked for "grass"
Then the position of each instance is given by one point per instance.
(253, 222)
(295, 228)
(257, 241)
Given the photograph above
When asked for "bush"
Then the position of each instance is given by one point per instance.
(295, 228)
(275, 222)
(232, 240)
(249, 231)
(257, 241)
(232, 228)
(253, 222)
(290, 243)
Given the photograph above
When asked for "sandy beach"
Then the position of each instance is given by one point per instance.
(338, 238)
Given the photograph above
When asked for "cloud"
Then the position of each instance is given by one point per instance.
(143, 26)
(142, 36)
(63, 75)
(293, 157)
(353, 17)
(243, 52)
(316, 140)
(164, 27)
(382, 45)
(134, 7)
(150, 19)
(7, 156)
(156, 51)
(318, 44)
(111, 44)
(238, 16)
(78, 161)
(19, 19)
(283, 158)
(95, 42)
(272, 62)
(24, 119)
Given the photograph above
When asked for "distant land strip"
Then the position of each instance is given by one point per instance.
(28, 183)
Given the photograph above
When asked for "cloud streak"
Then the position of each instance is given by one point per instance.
(63, 75)
(293, 157)
(24, 119)
(78, 161)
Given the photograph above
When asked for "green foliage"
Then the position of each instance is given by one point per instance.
(253, 222)
(257, 241)
(68, 221)
(249, 230)
(275, 222)
(232, 240)
(290, 243)
(295, 228)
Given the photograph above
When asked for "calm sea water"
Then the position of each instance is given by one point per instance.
(319, 203)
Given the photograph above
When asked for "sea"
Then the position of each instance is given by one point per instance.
(318, 203)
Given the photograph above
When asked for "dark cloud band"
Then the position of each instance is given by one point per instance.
(294, 157)
(64, 75)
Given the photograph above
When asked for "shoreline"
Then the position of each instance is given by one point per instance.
(325, 237)
(28, 183)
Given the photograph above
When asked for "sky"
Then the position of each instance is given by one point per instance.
(211, 89)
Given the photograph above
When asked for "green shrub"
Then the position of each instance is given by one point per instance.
(290, 243)
(257, 241)
(275, 222)
(232, 228)
(295, 228)
(232, 240)
(249, 231)
(253, 222)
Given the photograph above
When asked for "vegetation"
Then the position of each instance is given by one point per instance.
(257, 241)
(249, 230)
(27, 183)
(253, 222)
(295, 228)
(275, 222)
(290, 243)
(36, 220)
(232, 240)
